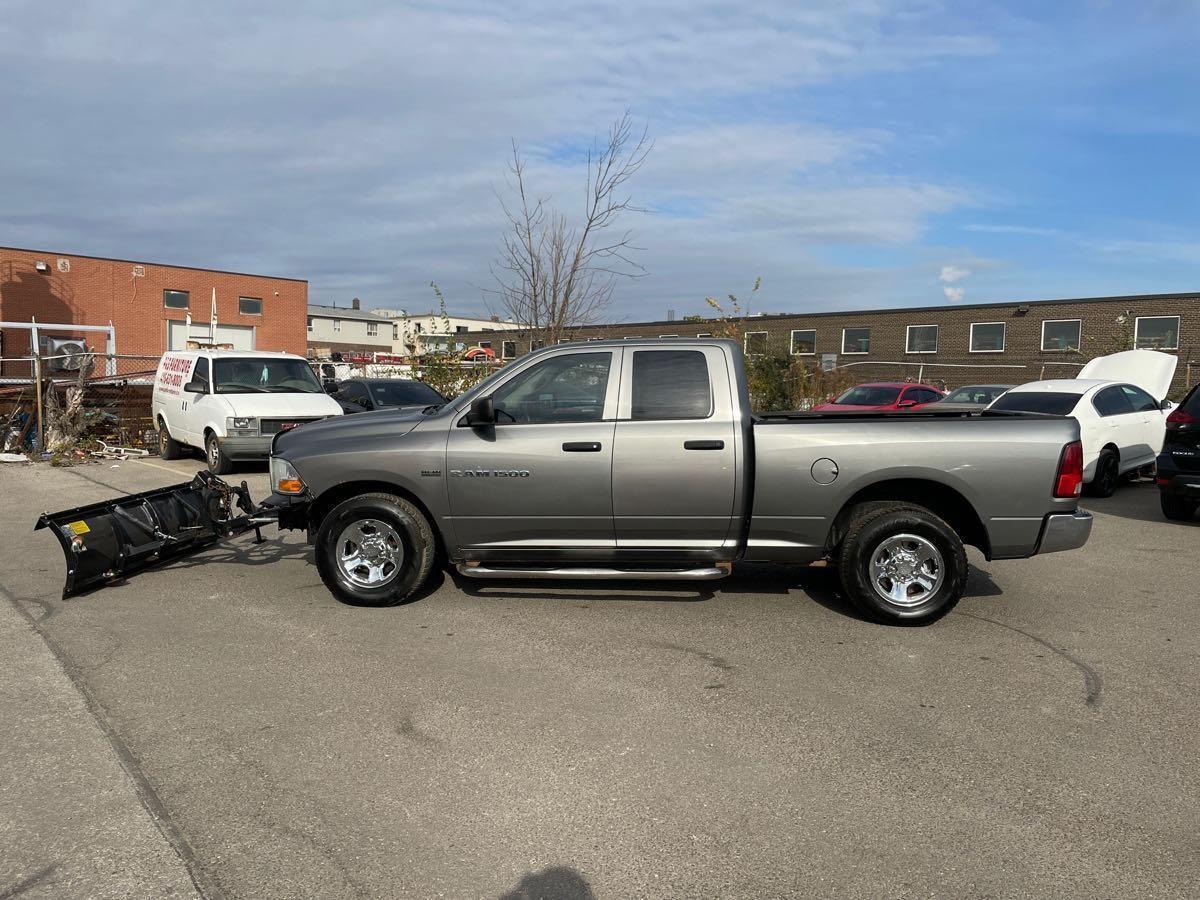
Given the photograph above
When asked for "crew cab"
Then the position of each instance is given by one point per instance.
(640, 459)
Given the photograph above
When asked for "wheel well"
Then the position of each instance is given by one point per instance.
(1114, 448)
(940, 499)
(335, 495)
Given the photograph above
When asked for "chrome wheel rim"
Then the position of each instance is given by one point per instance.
(214, 453)
(369, 553)
(906, 570)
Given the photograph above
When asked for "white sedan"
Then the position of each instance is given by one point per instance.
(1120, 404)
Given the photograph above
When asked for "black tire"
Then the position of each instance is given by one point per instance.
(877, 523)
(1179, 509)
(168, 447)
(407, 523)
(1106, 477)
(214, 455)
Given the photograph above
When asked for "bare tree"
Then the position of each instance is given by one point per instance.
(554, 273)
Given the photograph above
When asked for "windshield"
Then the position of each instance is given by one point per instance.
(403, 393)
(980, 394)
(1051, 402)
(869, 395)
(265, 375)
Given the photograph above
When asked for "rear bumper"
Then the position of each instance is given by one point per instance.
(1065, 531)
(242, 448)
(1171, 481)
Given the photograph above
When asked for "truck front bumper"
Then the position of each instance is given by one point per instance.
(292, 510)
(1065, 531)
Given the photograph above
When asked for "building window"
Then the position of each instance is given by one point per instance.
(856, 340)
(921, 339)
(668, 335)
(508, 349)
(395, 332)
(485, 345)
(177, 299)
(461, 329)
(632, 337)
(1060, 334)
(755, 342)
(310, 324)
(250, 306)
(337, 324)
(1156, 333)
(804, 343)
(536, 345)
(704, 334)
(987, 337)
(372, 329)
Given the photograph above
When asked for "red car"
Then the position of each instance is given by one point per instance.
(882, 395)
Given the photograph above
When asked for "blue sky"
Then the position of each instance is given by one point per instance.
(854, 154)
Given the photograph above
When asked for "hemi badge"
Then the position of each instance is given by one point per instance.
(431, 473)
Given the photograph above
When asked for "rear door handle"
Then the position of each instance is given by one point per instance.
(703, 445)
(581, 447)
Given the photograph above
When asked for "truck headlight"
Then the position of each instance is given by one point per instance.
(244, 426)
(284, 477)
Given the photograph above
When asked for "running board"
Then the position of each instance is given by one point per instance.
(706, 573)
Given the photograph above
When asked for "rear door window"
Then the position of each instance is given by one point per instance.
(1139, 399)
(670, 384)
(1112, 402)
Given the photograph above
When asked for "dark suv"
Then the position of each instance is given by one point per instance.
(1179, 462)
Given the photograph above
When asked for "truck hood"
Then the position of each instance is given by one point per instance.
(349, 429)
(1148, 369)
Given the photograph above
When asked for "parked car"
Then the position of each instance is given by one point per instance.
(882, 395)
(1179, 463)
(1114, 400)
(971, 397)
(641, 459)
(363, 394)
(230, 404)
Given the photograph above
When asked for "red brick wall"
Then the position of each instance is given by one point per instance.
(97, 291)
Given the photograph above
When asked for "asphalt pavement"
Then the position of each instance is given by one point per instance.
(249, 736)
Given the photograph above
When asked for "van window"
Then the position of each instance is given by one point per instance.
(200, 373)
(265, 375)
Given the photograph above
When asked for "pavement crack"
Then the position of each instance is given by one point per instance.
(717, 662)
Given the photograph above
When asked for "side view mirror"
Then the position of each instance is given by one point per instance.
(196, 387)
(330, 387)
(905, 404)
(1166, 404)
(482, 412)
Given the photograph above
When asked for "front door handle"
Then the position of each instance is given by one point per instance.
(703, 445)
(581, 447)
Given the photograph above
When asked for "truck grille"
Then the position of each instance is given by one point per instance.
(272, 426)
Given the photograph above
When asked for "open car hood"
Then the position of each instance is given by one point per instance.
(1148, 369)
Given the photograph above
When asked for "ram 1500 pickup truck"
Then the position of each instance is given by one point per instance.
(641, 460)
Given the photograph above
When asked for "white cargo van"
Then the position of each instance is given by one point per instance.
(231, 404)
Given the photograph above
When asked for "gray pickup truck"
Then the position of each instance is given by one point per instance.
(641, 460)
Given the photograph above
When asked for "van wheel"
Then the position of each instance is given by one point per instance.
(901, 564)
(218, 462)
(1108, 473)
(375, 550)
(168, 447)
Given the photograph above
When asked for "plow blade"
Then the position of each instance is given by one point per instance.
(106, 541)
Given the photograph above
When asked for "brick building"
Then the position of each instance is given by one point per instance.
(1008, 342)
(148, 304)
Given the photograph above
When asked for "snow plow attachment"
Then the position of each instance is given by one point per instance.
(106, 541)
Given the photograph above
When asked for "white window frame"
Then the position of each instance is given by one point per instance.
(937, 337)
(504, 354)
(746, 340)
(792, 342)
(704, 334)
(1046, 349)
(485, 345)
(866, 352)
(1137, 324)
(337, 324)
(668, 335)
(632, 337)
(1003, 339)
(242, 312)
(372, 329)
(310, 324)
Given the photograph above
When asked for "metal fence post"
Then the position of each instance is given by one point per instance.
(37, 380)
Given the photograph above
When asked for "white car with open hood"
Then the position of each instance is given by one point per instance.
(1120, 402)
(231, 404)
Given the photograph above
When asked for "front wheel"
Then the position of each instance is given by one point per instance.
(375, 550)
(1178, 509)
(902, 565)
(214, 454)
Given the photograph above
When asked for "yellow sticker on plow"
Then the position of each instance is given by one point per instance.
(79, 527)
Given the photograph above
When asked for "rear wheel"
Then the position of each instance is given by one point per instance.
(168, 447)
(901, 564)
(375, 550)
(1108, 473)
(1178, 508)
(214, 454)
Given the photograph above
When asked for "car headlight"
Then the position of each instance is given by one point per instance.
(242, 425)
(284, 477)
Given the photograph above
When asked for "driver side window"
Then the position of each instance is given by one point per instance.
(200, 373)
(567, 388)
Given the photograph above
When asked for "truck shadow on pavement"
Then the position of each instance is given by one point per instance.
(551, 883)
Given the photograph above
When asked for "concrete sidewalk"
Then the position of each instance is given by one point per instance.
(77, 819)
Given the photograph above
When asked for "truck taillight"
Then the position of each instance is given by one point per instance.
(1069, 481)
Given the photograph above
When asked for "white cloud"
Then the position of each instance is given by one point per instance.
(953, 294)
(951, 274)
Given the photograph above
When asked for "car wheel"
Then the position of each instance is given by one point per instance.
(168, 447)
(1104, 482)
(902, 564)
(214, 455)
(375, 550)
(1178, 508)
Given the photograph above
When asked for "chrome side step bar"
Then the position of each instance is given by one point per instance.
(473, 569)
